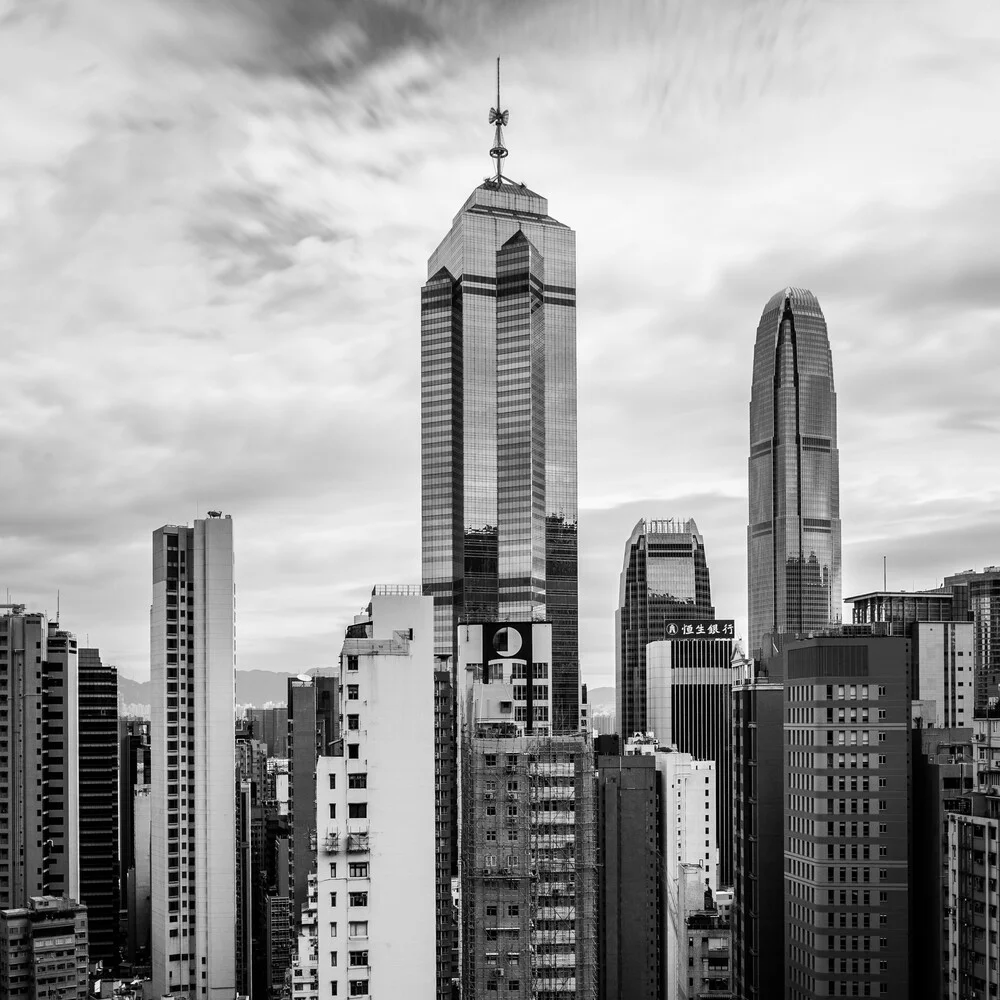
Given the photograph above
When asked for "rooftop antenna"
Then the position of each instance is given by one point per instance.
(57, 607)
(500, 119)
(884, 584)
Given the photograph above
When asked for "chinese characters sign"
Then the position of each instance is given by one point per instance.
(700, 630)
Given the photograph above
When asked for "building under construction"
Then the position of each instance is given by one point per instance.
(527, 835)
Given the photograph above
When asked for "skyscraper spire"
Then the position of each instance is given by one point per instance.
(500, 119)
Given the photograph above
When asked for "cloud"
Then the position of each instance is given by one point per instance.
(215, 220)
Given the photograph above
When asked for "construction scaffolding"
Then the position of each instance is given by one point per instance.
(527, 864)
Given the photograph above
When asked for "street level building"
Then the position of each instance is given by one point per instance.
(664, 581)
(193, 822)
(793, 535)
(43, 950)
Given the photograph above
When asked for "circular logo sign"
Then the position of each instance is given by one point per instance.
(671, 630)
(506, 641)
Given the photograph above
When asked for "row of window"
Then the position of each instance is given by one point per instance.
(355, 869)
(358, 780)
(355, 810)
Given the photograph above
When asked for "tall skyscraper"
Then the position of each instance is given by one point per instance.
(498, 405)
(793, 536)
(99, 871)
(193, 708)
(134, 833)
(39, 776)
(664, 578)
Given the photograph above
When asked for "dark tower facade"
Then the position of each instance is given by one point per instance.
(99, 865)
(793, 536)
(664, 578)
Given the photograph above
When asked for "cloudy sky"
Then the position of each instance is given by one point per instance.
(215, 219)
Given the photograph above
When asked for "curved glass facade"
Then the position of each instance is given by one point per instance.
(664, 578)
(498, 410)
(793, 537)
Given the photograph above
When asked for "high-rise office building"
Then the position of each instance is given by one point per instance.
(39, 777)
(793, 536)
(43, 950)
(270, 726)
(312, 727)
(98, 768)
(376, 875)
(847, 836)
(689, 681)
(664, 579)
(193, 708)
(498, 406)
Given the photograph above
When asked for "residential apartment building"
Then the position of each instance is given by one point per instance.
(193, 822)
(376, 876)
(39, 753)
(43, 950)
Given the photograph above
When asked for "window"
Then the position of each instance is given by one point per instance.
(333, 929)
(357, 780)
(511, 810)
(513, 910)
(358, 928)
(359, 958)
(881, 737)
(881, 715)
(352, 692)
(358, 869)
(352, 751)
(358, 898)
(333, 901)
(333, 781)
(352, 663)
(491, 835)
(490, 759)
(333, 989)
(359, 987)
(512, 760)
(357, 810)
(352, 722)
(491, 911)
(333, 810)
(333, 869)
(333, 958)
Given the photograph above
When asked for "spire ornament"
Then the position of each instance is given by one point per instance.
(498, 118)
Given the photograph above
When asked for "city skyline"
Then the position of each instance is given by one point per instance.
(237, 314)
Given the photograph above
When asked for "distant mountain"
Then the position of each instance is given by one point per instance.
(601, 699)
(258, 687)
(253, 687)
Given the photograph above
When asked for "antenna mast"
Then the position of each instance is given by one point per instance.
(499, 118)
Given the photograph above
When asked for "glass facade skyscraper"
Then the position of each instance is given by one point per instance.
(793, 536)
(498, 408)
(664, 578)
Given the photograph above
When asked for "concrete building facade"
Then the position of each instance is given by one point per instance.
(376, 876)
(39, 753)
(193, 708)
(43, 950)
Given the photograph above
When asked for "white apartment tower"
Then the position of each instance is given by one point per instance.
(375, 809)
(39, 833)
(192, 667)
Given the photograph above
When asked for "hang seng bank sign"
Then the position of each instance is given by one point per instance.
(700, 630)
